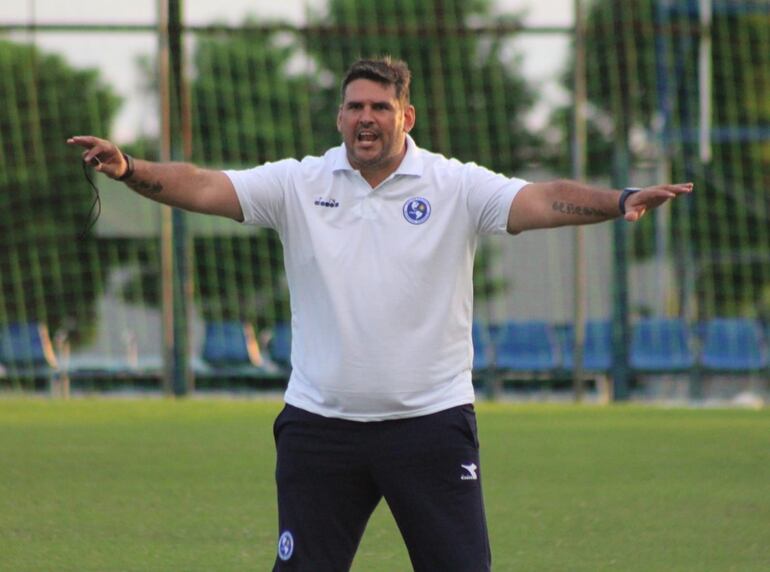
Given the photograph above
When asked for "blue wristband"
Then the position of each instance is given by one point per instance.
(624, 195)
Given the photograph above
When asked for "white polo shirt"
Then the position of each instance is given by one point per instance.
(380, 279)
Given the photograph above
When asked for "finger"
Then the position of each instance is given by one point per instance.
(86, 141)
(680, 188)
(635, 214)
(90, 156)
(90, 159)
(649, 199)
(97, 154)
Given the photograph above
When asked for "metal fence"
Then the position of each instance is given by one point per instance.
(646, 90)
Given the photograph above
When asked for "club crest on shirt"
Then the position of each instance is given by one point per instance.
(416, 210)
(285, 545)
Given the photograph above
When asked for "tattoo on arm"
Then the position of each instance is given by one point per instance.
(569, 208)
(145, 187)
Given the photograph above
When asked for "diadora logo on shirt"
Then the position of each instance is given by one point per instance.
(322, 202)
(417, 210)
(470, 472)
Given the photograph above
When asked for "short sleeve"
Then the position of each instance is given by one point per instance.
(262, 191)
(489, 197)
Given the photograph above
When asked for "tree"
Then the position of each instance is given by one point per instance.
(642, 60)
(467, 86)
(47, 273)
(248, 107)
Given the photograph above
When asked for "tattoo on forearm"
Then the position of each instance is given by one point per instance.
(569, 208)
(145, 187)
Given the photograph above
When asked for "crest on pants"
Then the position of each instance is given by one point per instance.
(285, 545)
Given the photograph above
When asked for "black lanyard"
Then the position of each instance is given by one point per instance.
(96, 206)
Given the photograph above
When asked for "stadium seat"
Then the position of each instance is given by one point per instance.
(527, 346)
(661, 345)
(26, 351)
(231, 346)
(733, 345)
(279, 345)
(565, 339)
(597, 346)
(482, 347)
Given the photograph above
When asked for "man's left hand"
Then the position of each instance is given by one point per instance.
(652, 197)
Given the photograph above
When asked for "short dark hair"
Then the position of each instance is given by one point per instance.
(386, 71)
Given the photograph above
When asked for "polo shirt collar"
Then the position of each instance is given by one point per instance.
(411, 164)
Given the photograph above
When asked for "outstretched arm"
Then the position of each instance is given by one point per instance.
(181, 185)
(562, 203)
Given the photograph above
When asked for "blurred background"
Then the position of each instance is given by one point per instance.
(615, 92)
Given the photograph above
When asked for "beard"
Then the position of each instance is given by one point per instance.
(366, 158)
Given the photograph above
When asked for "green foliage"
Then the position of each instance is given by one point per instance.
(242, 277)
(599, 144)
(467, 87)
(642, 58)
(249, 107)
(728, 223)
(46, 272)
(620, 51)
(620, 82)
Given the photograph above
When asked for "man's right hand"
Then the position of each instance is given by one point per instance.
(181, 185)
(103, 155)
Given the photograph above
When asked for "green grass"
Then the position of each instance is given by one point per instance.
(158, 485)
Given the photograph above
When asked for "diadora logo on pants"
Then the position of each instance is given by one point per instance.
(470, 472)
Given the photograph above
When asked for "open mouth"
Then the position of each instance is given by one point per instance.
(366, 136)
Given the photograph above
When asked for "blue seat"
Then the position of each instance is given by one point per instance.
(26, 350)
(661, 345)
(482, 347)
(527, 346)
(279, 346)
(565, 339)
(230, 344)
(733, 345)
(597, 346)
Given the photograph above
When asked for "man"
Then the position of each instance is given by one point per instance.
(379, 238)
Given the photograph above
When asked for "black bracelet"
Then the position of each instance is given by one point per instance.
(623, 196)
(129, 167)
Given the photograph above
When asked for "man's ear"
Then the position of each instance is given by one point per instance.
(339, 118)
(409, 118)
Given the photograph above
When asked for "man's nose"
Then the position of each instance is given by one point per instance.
(366, 116)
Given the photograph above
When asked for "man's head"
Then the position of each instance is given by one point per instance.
(385, 71)
(375, 115)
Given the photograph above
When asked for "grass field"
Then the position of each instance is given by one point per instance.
(157, 485)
